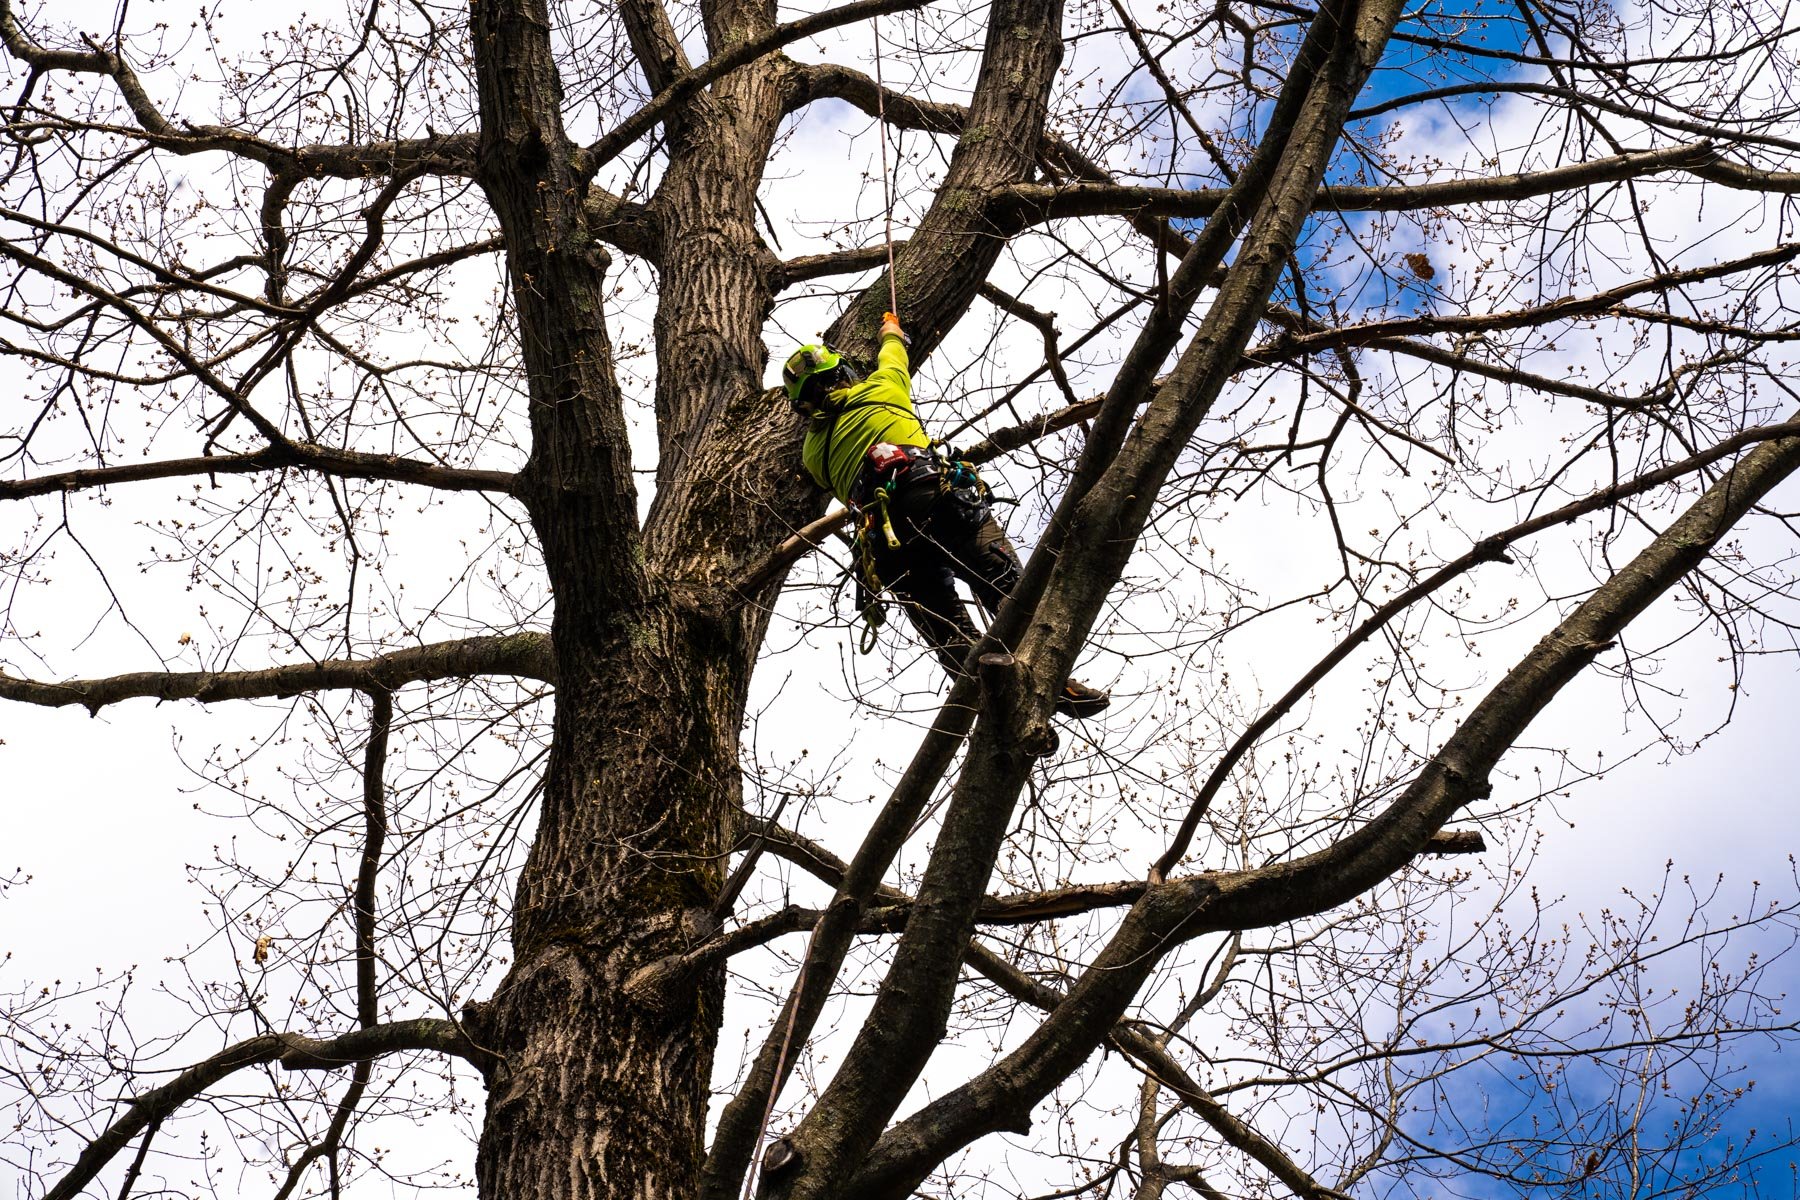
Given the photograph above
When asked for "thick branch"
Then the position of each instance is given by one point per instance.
(381, 718)
(1136, 375)
(623, 223)
(834, 81)
(783, 275)
(798, 545)
(654, 42)
(1020, 205)
(526, 655)
(381, 724)
(1182, 909)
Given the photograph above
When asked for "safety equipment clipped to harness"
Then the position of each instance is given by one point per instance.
(967, 490)
(869, 604)
(879, 505)
(885, 466)
(888, 463)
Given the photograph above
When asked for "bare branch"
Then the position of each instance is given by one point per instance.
(680, 89)
(526, 655)
(381, 719)
(1159, 1064)
(1044, 323)
(445, 155)
(1580, 100)
(1489, 549)
(1567, 308)
(1459, 772)
(301, 456)
(1021, 205)
(655, 43)
(290, 1050)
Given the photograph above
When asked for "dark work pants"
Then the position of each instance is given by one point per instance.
(943, 539)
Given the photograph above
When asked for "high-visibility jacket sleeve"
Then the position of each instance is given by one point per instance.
(894, 363)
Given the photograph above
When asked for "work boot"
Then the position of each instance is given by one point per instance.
(1080, 701)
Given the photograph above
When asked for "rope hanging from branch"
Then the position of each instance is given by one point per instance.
(887, 192)
(780, 1154)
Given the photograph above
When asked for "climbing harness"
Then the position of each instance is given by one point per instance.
(886, 467)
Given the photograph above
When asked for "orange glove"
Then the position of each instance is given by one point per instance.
(890, 323)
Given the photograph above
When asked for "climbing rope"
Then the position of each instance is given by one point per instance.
(787, 1042)
(787, 1037)
(887, 191)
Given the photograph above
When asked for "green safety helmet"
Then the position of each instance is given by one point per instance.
(802, 365)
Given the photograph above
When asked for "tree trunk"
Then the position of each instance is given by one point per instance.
(600, 1093)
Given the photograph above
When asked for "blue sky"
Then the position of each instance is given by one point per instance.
(1692, 1116)
(1410, 67)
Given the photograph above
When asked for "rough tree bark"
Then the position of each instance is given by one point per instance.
(599, 1096)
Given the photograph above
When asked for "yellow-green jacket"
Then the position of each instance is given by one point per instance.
(879, 409)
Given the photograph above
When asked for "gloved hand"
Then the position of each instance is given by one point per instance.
(890, 323)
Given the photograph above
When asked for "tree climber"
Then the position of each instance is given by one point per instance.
(922, 522)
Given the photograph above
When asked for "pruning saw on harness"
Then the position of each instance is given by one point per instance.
(923, 520)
